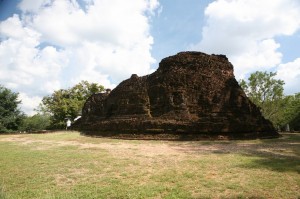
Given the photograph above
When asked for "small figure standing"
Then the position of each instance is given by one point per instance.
(68, 124)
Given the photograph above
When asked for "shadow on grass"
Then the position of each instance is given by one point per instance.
(279, 164)
(281, 155)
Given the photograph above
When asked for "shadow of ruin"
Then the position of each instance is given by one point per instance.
(192, 95)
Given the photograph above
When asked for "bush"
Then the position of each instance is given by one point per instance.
(36, 122)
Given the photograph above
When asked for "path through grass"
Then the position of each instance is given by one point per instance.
(68, 165)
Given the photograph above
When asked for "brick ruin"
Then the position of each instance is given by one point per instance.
(191, 95)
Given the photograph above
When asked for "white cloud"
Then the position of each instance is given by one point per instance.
(245, 31)
(32, 6)
(29, 103)
(262, 56)
(24, 67)
(290, 74)
(56, 44)
(13, 28)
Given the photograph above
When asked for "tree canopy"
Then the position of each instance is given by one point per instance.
(10, 114)
(68, 103)
(267, 93)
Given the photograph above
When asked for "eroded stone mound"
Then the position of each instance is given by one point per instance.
(191, 94)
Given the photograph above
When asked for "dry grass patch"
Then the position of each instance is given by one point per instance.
(67, 165)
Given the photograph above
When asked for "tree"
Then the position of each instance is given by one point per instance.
(10, 114)
(36, 122)
(291, 113)
(68, 103)
(267, 93)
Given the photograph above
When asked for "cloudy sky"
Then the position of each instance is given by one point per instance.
(46, 45)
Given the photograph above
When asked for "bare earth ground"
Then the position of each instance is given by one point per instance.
(68, 165)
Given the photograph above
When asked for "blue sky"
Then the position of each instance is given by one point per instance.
(51, 44)
(177, 26)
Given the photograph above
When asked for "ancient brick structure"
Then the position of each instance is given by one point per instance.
(191, 94)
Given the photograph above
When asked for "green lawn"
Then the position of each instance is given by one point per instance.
(68, 165)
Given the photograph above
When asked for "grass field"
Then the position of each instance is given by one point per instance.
(68, 165)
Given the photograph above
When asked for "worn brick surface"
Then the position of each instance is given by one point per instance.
(190, 93)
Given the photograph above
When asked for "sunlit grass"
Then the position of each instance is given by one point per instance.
(68, 165)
